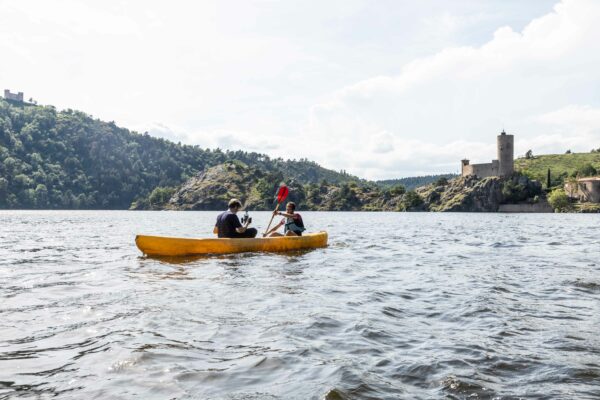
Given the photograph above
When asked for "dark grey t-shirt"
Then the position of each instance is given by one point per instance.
(227, 222)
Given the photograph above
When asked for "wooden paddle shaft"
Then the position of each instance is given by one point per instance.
(272, 216)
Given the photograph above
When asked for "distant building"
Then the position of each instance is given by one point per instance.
(586, 189)
(13, 96)
(503, 166)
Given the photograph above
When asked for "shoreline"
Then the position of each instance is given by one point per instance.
(594, 209)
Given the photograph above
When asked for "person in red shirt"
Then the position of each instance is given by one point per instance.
(292, 222)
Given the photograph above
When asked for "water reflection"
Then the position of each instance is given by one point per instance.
(291, 256)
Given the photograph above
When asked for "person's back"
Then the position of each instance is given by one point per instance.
(228, 224)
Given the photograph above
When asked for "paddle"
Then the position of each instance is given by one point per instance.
(282, 194)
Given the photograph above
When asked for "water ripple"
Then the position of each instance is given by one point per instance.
(454, 306)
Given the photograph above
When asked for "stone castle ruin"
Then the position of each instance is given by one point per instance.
(13, 96)
(503, 166)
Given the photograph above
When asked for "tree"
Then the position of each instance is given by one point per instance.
(558, 200)
(160, 195)
(22, 181)
(529, 154)
(410, 201)
(513, 192)
(11, 165)
(568, 152)
(443, 181)
(3, 191)
(587, 170)
(41, 196)
(397, 190)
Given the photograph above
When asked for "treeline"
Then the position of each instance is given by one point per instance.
(356, 196)
(415, 181)
(69, 160)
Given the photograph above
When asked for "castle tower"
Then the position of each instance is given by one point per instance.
(506, 154)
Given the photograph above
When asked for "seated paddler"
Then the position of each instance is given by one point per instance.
(229, 226)
(292, 222)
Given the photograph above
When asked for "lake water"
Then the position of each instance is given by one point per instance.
(400, 305)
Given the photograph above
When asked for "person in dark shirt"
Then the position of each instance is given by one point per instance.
(228, 224)
(292, 222)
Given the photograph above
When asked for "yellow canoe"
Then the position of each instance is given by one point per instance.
(168, 246)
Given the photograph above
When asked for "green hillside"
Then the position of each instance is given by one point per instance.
(67, 159)
(560, 165)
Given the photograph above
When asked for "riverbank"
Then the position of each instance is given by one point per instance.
(214, 187)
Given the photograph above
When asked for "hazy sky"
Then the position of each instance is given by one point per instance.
(381, 89)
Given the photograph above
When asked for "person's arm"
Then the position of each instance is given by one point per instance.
(275, 228)
(242, 228)
(284, 214)
(216, 228)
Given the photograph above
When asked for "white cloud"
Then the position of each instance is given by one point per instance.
(573, 116)
(446, 26)
(382, 143)
(223, 139)
(161, 130)
(571, 127)
(75, 16)
(348, 84)
(467, 95)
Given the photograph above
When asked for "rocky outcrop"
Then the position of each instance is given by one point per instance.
(481, 195)
(464, 194)
(212, 188)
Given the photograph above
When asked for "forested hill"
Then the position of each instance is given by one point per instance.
(67, 159)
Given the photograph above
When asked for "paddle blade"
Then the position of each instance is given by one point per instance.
(282, 193)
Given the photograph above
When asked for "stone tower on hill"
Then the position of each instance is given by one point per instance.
(506, 154)
(503, 166)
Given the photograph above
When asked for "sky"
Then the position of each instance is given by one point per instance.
(382, 89)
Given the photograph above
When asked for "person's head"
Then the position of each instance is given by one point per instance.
(290, 207)
(234, 205)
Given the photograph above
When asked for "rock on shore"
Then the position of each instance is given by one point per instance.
(212, 188)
